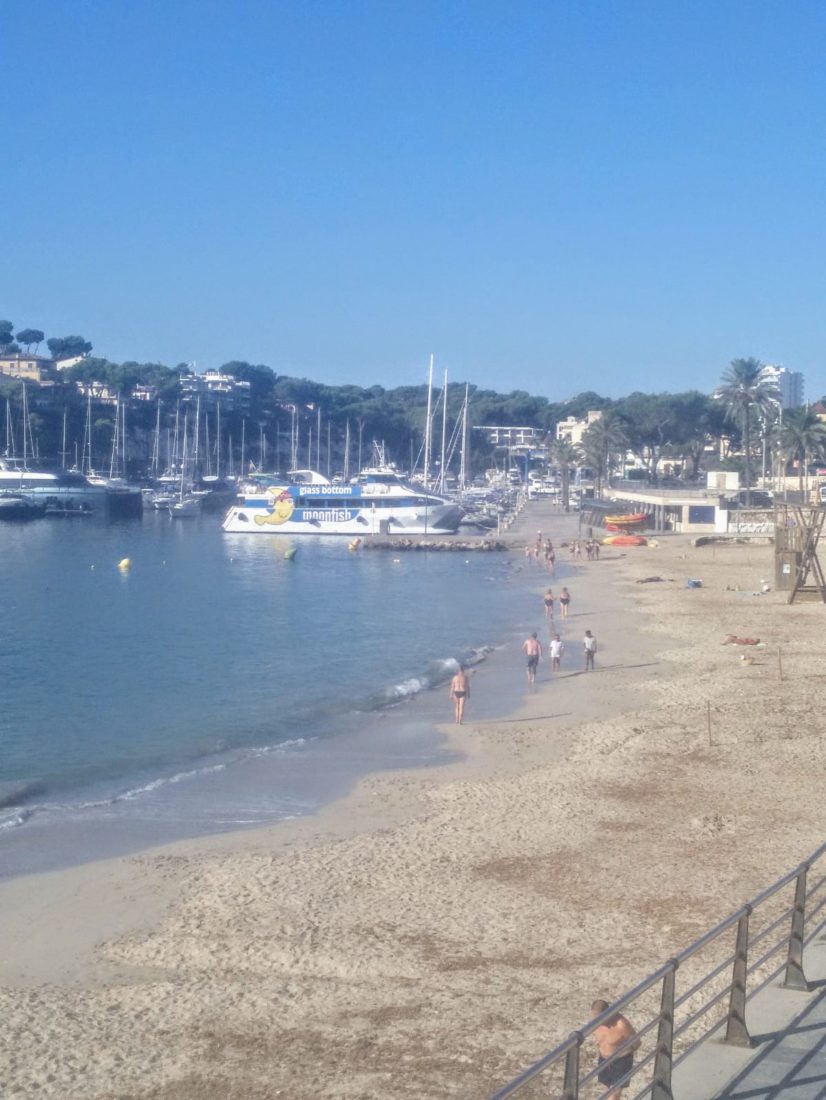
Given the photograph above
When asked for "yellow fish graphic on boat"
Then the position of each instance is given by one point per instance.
(283, 508)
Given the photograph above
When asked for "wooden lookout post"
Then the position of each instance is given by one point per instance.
(797, 530)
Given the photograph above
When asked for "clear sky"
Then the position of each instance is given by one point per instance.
(549, 196)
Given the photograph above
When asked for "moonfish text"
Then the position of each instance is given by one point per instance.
(327, 515)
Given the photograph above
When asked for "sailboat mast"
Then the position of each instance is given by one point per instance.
(25, 418)
(63, 442)
(444, 436)
(89, 467)
(10, 445)
(347, 451)
(195, 447)
(183, 458)
(156, 446)
(427, 424)
(115, 441)
(463, 454)
(175, 444)
(218, 441)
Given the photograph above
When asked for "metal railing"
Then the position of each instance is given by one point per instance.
(678, 1026)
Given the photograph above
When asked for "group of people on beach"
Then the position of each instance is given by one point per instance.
(541, 553)
(532, 646)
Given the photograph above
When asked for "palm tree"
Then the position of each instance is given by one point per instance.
(802, 437)
(565, 454)
(747, 389)
(604, 438)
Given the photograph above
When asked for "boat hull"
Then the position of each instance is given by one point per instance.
(352, 522)
(625, 540)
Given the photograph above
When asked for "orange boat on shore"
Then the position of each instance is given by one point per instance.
(633, 519)
(625, 540)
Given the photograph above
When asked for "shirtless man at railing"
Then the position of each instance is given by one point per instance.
(615, 1035)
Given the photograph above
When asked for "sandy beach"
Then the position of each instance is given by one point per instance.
(438, 930)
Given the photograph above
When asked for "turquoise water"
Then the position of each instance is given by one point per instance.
(166, 692)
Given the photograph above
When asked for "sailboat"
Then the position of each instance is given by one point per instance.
(186, 504)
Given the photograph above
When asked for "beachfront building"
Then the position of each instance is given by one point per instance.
(512, 437)
(573, 429)
(28, 368)
(688, 511)
(789, 384)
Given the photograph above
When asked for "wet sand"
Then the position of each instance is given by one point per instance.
(439, 929)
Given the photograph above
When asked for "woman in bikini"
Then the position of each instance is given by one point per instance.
(564, 600)
(460, 693)
(549, 607)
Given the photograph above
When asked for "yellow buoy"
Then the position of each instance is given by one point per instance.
(125, 563)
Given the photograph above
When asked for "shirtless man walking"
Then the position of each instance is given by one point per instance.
(460, 693)
(533, 648)
(617, 1041)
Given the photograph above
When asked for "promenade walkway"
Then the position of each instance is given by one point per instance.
(788, 1057)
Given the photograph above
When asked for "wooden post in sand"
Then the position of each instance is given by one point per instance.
(780, 662)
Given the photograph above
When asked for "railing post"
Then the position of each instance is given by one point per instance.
(795, 978)
(663, 1061)
(736, 1030)
(570, 1084)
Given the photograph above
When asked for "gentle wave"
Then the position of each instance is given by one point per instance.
(15, 820)
(14, 793)
(439, 671)
(156, 784)
(13, 796)
(19, 815)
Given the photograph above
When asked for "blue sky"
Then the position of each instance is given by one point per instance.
(548, 196)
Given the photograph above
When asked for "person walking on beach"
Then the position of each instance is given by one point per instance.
(549, 556)
(460, 693)
(589, 645)
(616, 1040)
(564, 601)
(556, 651)
(533, 648)
(549, 607)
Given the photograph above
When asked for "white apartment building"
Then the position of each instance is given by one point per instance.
(788, 382)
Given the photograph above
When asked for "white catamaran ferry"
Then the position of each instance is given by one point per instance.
(380, 502)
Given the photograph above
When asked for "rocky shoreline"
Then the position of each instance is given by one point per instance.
(425, 543)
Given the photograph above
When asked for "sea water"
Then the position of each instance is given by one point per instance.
(219, 681)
